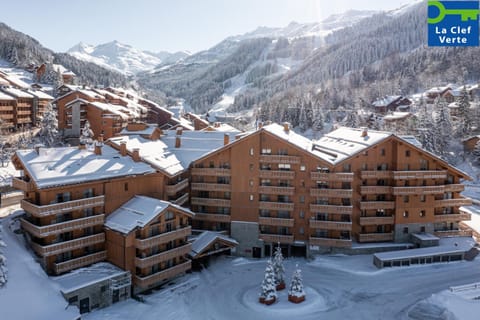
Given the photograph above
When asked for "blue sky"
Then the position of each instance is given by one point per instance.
(170, 25)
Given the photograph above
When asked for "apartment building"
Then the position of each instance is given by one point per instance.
(7, 110)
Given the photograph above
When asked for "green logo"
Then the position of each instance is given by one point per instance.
(465, 14)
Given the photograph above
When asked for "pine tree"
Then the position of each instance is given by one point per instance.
(86, 136)
(476, 150)
(351, 119)
(464, 127)
(268, 293)
(425, 134)
(443, 127)
(296, 292)
(278, 268)
(49, 127)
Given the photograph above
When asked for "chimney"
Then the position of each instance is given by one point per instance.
(179, 131)
(100, 138)
(286, 127)
(260, 125)
(136, 155)
(98, 148)
(178, 141)
(226, 139)
(364, 132)
(123, 148)
(82, 146)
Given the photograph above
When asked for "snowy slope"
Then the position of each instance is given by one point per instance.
(122, 57)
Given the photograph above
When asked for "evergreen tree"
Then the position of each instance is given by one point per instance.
(425, 134)
(86, 135)
(268, 291)
(278, 268)
(443, 127)
(464, 127)
(476, 151)
(296, 286)
(351, 119)
(49, 127)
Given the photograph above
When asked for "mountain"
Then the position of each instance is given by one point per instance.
(122, 57)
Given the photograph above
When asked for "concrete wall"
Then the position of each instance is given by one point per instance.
(400, 236)
(246, 233)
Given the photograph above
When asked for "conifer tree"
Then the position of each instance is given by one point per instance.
(49, 125)
(443, 127)
(86, 136)
(296, 292)
(464, 127)
(268, 293)
(278, 268)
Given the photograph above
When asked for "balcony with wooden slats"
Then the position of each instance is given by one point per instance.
(76, 263)
(210, 202)
(163, 256)
(367, 205)
(330, 242)
(330, 225)
(20, 184)
(274, 158)
(64, 246)
(269, 205)
(62, 227)
(278, 222)
(438, 218)
(369, 221)
(290, 191)
(57, 208)
(418, 190)
(332, 176)
(376, 174)
(182, 199)
(211, 187)
(331, 208)
(458, 202)
(454, 187)
(175, 188)
(331, 193)
(375, 237)
(276, 238)
(163, 238)
(277, 174)
(212, 172)
(364, 190)
(421, 174)
(156, 278)
(213, 217)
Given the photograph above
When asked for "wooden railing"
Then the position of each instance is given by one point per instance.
(212, 217)
(163, 256)
(213, 172)
(453, 233)
(276, 190)
(20, 184)
(276, 238)
(279, 222)
(210, 202)
(375, 237)
(365, 205)
(331, 208)
(331, 193)
(376, 174)
(368, 221)
(211, 186)
(50, 209)
(163, 238)
(145, 282)
(332, 176)
(418, 190)
(174, 188)
(454, 187)
(56, 248)
(458, 202)
(421, 174)
(277, 174)
(330, 225)
(452, 217)
(57, 228)
(274, 158)
(375, 190)
(330, 242)
(267, 205)
(181, 200)
(76, 263)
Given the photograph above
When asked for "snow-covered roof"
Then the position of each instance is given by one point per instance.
(205, 239)
(85, 277)
(71, 165)
(396, 116)
(437, 90)
(40, 94)
(149, 129)
(385, 101)
(223, 127)
(4, 96)
(163, 154)
(116, 109)
(17, 93)
(411, 140)
(138, 212)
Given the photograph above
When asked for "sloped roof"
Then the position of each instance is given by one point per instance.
(17, 93)
(385, 101)
(40, 94)
(207, 238)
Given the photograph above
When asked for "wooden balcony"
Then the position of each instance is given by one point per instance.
(375, 237)
(163, 256)
(163, 238)
(65, 246)
(79, 262)
(210, 202)
(332, 176)
(57, 228)
(331, 193)
(418, 190)
(366, 205)
(6, 108)
(50, 209)
(181, 200)
(20, 184)
(458, 202)
(212, 187)
(452, 217)
(330, 242)
(376, 174)
(24, 112)
(375, 190)
(453, 233)
(276, 238)
(212, 172)
(274, 158)
(330, 225)
(157, 278)
(175, 188)
(277, 174)
(212, 217)
(267, 205)
(454, 187)
(279, 222)
(422, 174)
(331, 209)
(369, 221)
(290, 191)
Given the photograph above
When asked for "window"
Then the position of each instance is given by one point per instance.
(405, 214)
(407, 167)
(264, 213)
(251, 151)
(364, 166)
(265, 182)
(406, 199)
(302, 199)
(302, 167)
(251, 197)
(283, 198)
(251, 166)
(72, 299)
(423, 198)
(423, 164)
(322, 184)
(265, 166)
(88, 193)
(382, 152)
(211, 164)
(282, 152)
(266, 151)
(422, 229)
(169, 215)
(283, 214)
(302, 214)
(103, 289)
(382, 167)
(405, 230)
(250, 183)
(422, 213)
(346, 185)
(284, 166)
(407, 153)
(125, 186)
(347, 167)
(301, 230)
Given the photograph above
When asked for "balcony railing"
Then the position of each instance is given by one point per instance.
(368, 221)
(181, 200)
(454, 187)
(418, 190)
(330, 242)
(20, 184)
(174, 188)
(277, 174)
(156, 278)
(163, 238)
(378, 174)
(57, 248)
(375, 190)
(210, 202)
(375, 237)
(422, 174)
(163, 256)
(331, 193)
(276, 238)
(452, 217)
(57, 228)
(332, 176)
(212, 217)
(330, 225)
(273, 158)
(50, 209)
(331, 208)
(366, 205)
(267, 205)
(279, 222)
(213, 172)
(277, 190)
(453, 233)
(80, 262)
(453, 202)
(212, 187)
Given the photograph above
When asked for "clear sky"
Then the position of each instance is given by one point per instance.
(169, 25)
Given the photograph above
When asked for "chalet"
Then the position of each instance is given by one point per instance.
(470, 143)
(391, 103)
(25, 113)
(7, 110)
(435, 92)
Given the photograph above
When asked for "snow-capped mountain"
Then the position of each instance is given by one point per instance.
(122, 57)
